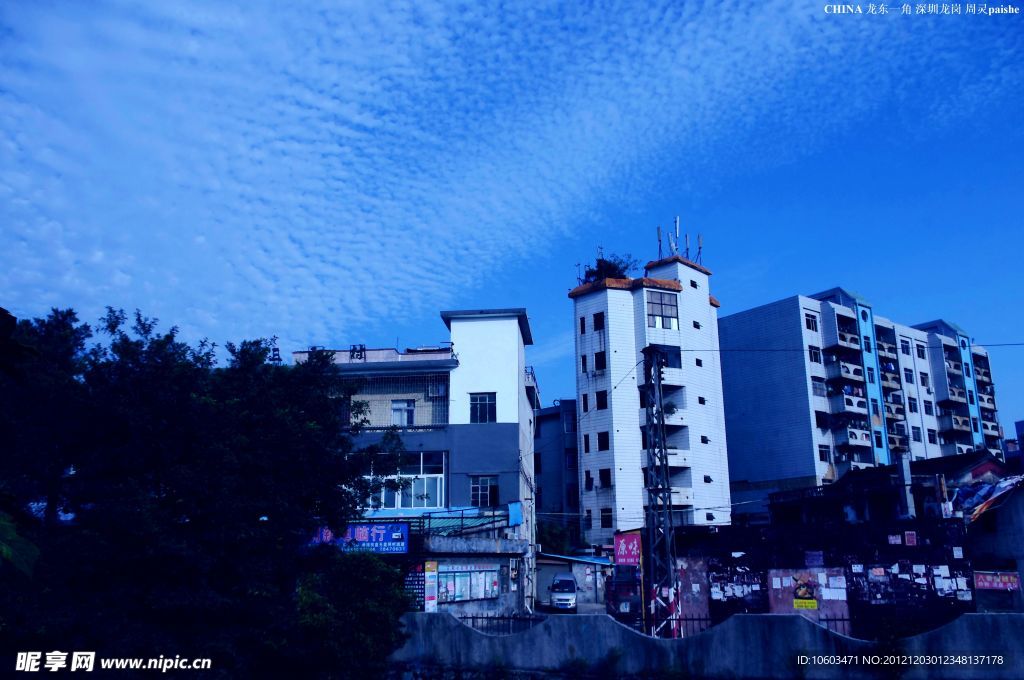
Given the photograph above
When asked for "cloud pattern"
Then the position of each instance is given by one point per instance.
(310, 169)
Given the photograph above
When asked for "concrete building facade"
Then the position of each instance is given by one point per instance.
(615, 319)
(465, 415)
(817, 385)
(556, 469)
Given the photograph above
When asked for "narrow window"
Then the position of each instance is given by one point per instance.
(915, 433)
(905, 347)
(605, 475)
(699, 362)
(704, 439)
(908, 376)
(586, 403)
(696, 324)
(823, 452)
(483, 407)
(814, 354)
(871, 375)
(403, 412)
(924, 379)
(602, 441)
(811, 322)
(586, 443)
(912, 405)
(599, 321)
(606, 518)
(933, 437)
(602, 400)
(920, 352)
(600, 361)
(583, 363)
(583, 325)
(693, 284)
(702, 401)
(929, 408)
(818, 387)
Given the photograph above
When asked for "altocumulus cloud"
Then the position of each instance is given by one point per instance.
(309, 169)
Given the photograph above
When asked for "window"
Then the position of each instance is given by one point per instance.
(912, 404)
(704, 439)
(924, 379)
(568, 422)
(483, 491)
(583, 325)
(818, 387)
(908, 376)
(974, 424)
(814, 354)
(606, 518)
(867, 344)
(967, 370)
(572, 496)
(463, 583)
(571, 462)
(403, 412)
(421, 474)
(586, 443)
(599, 321)
(702, 401)
(588, 481)
(605, 475)
(586, 403)
(970, 396)
(811, 322)
(823, 452)
(483, 408)
(662, 310)
(871, 375)
(602, 441)
(699, 362)
(537, 464)
(929, 408)
(707, 479)
(709, 516)
(915, 433)
(878, 439)
(602, 400)
(600, 361)
(933, 437)
(905, 347)
(583, 363)
(874, 408)
(821, 420)
(696, 324)
(920, 351)
(588, 520)
(693, 284)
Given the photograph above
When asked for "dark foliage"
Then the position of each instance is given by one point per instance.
(172, 503)
(611, 267)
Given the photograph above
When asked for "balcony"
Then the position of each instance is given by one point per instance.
(897, 441)
(954, 367)
(680, 496)
(852, 436)
(952, 449)
(950, 422)
(987, 401)
(844, 370)
(991, 429)
(842, 403)
(672, 377)
(895, 412)
(673, 419)
(982, 374)
(957, 394)
(847, 339)
(676, 457)
(887, 350)
(891, 381)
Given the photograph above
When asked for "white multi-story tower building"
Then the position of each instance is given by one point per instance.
(817, 385)
(615, 320)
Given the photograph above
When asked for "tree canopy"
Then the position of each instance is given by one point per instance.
(154, 503)
(610, 267)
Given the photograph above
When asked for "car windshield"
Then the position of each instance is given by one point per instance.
(563, 587)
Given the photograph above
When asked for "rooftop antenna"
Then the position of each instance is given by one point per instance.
(600, 252)
(687, 251)
(700, 247)
(659, 241)
(579, 277)
(677, 233)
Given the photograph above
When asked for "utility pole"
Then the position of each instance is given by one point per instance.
(659, 546)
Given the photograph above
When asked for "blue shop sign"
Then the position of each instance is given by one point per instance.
(378, 537)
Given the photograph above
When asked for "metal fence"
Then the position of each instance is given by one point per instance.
(502, 624)
(836, 624)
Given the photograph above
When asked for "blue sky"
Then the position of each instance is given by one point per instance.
(338, 172)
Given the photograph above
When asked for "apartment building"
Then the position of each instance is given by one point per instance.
(465, 414)
(671, 310)
(817, 385)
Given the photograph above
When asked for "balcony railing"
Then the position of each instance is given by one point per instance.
(952, 449)
(895, 412)
(891, 381)
(842, 403)
(847, 339)
(987, 401)
(957, 394)
(954, 367)
(676, 457)
(897, 441)
(952, 422)
(853, 437)
(844, 370)
(886, 349)
(991, 428)
(983, 374)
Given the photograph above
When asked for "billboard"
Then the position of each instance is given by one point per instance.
(627, 549)
(376, 537)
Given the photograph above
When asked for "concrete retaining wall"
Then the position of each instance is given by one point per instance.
(744, 646)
